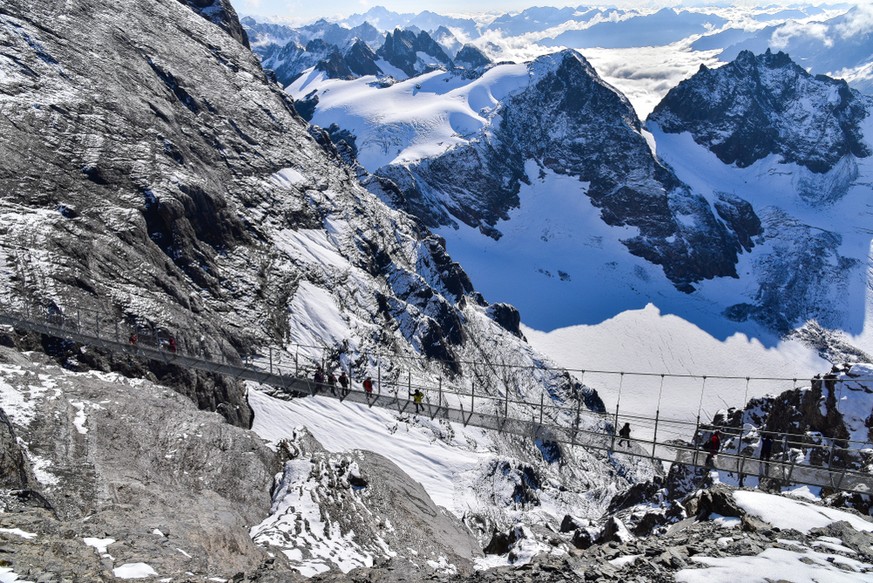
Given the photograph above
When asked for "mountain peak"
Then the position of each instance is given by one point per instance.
(760, 105)
(221, 13)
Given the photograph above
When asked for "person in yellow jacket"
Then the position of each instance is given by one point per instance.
(417, 397)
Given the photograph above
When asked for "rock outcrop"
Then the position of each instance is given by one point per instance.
(177, 493)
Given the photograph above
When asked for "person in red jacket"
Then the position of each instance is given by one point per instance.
(368, 385)
(712, 446)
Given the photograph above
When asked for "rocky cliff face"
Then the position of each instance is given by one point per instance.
(221, 13)
(413, 53)
(96, 489)
(764, 105)
(796, 152)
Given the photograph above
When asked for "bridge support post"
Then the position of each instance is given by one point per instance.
(542, 406)
(271, 359)
(655, 434)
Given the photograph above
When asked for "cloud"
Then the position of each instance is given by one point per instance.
(783, 35)
(858, 22)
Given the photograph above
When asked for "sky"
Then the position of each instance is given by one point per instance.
(301, 11)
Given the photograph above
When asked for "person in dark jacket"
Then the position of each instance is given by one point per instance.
(331, 382)
(766, 447)
(318, 378)
(344, 383)
(624, 433)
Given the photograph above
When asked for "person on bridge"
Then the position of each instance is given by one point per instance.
(624, 433)
(171, 344)
(133, 339)
(331, 382)
(712, 447)
(417, 397)
(344, 383)
(368, 385)
(766, 447)
(318, 377)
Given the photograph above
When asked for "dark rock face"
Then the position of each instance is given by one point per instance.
(741, 218)
(766, 104)
(508, 318)
(362, 60)
(13, 466)
(470, 57)
(401, 49)
(220, 12)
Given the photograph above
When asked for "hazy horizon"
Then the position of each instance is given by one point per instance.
(298, 11)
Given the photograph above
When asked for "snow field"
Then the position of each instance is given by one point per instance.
(437, 464)
(411, 119)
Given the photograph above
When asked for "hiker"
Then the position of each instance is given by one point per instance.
(417, 397)
(133, 339)
(171, 343)
(624, 433)
(368, 385)
(344, 383)
(712, 446)
(318, 378)
(331, 382)
(766, 447)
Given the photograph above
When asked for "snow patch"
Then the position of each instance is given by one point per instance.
(785, 513)
(19, 532)
(134, 571)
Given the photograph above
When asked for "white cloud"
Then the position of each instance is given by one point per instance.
(858, 21)
(816, 30)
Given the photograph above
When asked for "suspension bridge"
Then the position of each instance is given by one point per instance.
(549, 421)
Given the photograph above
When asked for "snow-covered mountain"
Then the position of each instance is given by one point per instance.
(797, 148)
(479, 159)
(163, 179)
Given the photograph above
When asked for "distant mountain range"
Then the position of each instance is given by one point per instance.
(833, 42)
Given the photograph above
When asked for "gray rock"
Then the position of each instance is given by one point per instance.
(199, 480)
